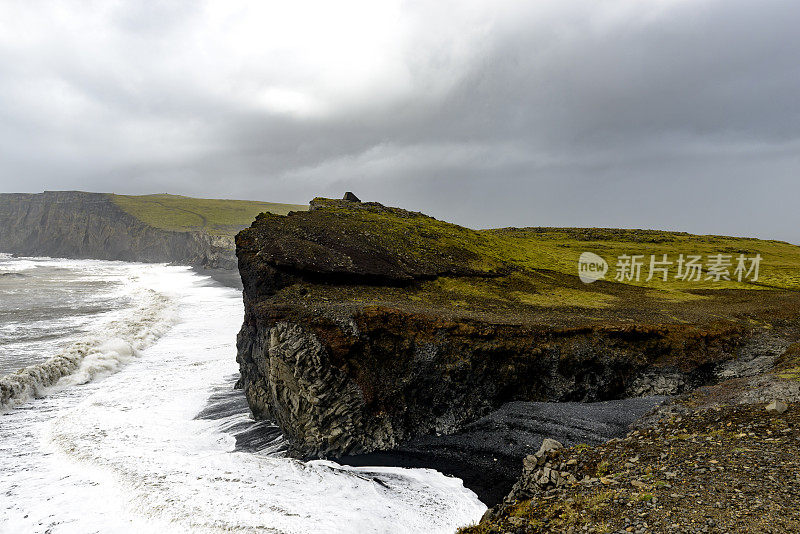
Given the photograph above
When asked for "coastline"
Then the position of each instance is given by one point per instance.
(486, 455)
(226, 277)
(491, 455)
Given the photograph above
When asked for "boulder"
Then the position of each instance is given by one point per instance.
(549, 445)
(777, 407)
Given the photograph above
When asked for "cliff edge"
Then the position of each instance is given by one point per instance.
(367, 326)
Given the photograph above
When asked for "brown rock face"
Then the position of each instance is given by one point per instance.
(350, 343)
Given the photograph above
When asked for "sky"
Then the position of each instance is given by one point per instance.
(669, 114)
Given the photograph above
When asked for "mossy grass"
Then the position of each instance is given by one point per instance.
(558, 249)
(183, 214)
(554, 516)
(516, 271)
(788, 365)
(602, 468)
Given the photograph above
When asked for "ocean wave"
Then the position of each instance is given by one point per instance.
(130, 454)
(115, 344)
(10, 265)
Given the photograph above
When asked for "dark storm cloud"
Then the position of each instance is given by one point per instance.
(675, 114)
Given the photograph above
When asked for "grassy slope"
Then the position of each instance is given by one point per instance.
(542, 262)
(558, 249)
(183, 214)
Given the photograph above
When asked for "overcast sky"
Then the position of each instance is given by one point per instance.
(677, 114)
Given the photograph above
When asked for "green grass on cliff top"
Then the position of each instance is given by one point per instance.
(184, 214)
(558, 249)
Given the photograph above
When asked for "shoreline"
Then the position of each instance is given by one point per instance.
(226, 277)
(487, 455)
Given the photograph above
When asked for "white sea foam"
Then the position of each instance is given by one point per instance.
(125, 454)
(114, 342)
(9, 264)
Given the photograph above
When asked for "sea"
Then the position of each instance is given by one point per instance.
(118, 415)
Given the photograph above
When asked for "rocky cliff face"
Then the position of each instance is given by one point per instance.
(353, 341)
(75, 224)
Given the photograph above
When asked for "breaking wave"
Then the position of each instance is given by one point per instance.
(115, 344)
(162, 445)
(11, 266)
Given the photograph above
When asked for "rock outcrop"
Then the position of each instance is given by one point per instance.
(367, 326)
(74, 224)
(713, 461)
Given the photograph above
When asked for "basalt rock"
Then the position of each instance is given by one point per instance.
(368, 326)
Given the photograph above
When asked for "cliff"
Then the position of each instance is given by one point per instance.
(368, 326)
(153, 228)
